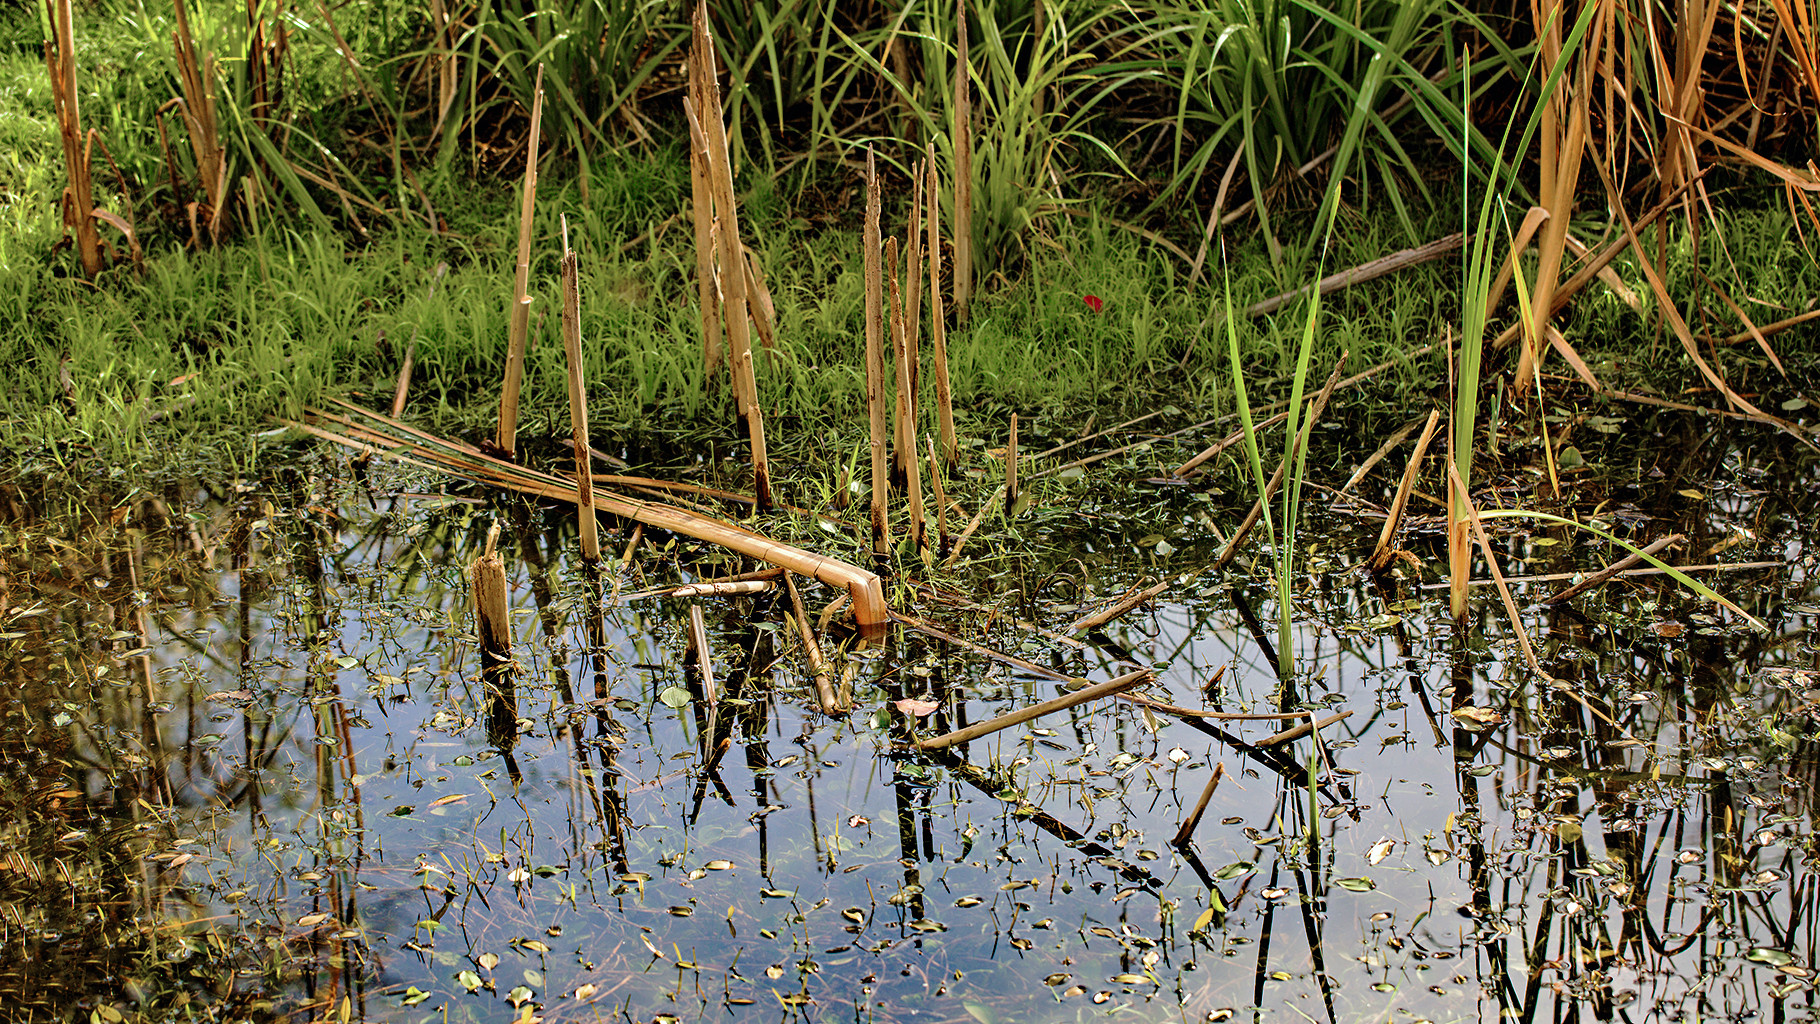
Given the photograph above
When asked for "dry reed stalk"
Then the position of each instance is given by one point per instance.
(906, 402)
(1194, 464)
(427, 450)
(1011, 468)
(732, 253)
(196, 81)
(1065, 701)
(1302, 730)
(938, 331)
(973, 524)
(506, 438)
(818, 665)
(719, 589)
(962, 137)
(1396, 437)
(79, 199)
(410, 352)
(1613, 569)
(1457, 488)
(578, 400)
(875, 361)
(913, 301)
(941, 501)
(625, 560)
(1385, 551)
(1186, 832)
(701, 206)
(1364, 272)
(704, 663)
(758, 301)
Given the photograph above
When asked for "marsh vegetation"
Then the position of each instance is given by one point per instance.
(564, 512)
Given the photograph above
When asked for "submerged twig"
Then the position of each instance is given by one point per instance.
(1186, 832)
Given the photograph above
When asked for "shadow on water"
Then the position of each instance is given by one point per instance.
(254, 768)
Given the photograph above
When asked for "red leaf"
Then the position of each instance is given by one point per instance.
(1094, 302)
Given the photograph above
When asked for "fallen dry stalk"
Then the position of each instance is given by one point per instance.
(520, 328)
(1186, 832)
(404, 443)
(818, 665)
(1301, 730)
(1385, 551)
(1194, 464)
(1363, 272)
(1614, 569)
(1065, 701)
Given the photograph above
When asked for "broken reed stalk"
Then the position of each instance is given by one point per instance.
(704, 665)
(79, 200)
(1186, 832)
(941, 501)
(1382, 555)
(1302, 730)
(1457, 489)
(938, 331)
(906, 400)
(1397, 437)
(578, 400)
(1614, 569)
(1011, 468)
(818, 665)
(520, 327)
(404, 443)
(701, 206)
(1066, 700)
(962, 133)
(875, 361)
(410, 351)
(703, 70)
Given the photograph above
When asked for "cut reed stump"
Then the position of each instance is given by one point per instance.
(493, 626)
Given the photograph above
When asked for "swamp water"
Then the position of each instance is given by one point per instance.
(250, 772)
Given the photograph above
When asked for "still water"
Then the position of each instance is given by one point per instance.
(251, 771)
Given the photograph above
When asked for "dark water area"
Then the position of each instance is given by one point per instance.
(250, 769)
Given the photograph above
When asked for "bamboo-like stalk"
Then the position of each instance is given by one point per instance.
(520, 327)
(732, 254)
(875, 361)
(818, 665)
(397, 439)
(1065, 701)
(1194, 464)
(60, 61)
(701, 207)
(962, 131)
(578, 400)
(1385, 551)
(938, 331)
(1011, 467)
(906, 401)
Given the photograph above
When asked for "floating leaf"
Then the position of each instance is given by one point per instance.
(1380, 850)
(1129, 979)
(675, 696)
(586, 992)
(1480, 717)
(915, 707)
(719, 865)
(468, 980)
(1769, 955)
(1356, 884)
(1232, 871)
(414, 995)
(519, 995)
(777, 894)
